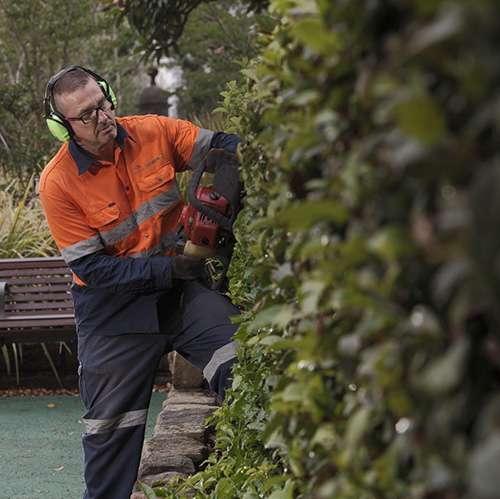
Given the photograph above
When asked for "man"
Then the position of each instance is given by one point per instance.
(113, 205)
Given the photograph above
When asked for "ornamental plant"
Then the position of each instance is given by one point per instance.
(367, 264)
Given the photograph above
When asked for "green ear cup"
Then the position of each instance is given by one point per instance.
(57, 128)
(108, 90)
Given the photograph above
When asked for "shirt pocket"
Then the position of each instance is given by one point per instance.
(157, 179)
(103, 217)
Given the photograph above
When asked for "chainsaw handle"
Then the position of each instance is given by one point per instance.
(218, 218)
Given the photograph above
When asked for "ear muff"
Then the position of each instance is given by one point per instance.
(58, 126)
(107, 90)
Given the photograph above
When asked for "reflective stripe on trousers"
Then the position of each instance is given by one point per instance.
(133, 418)
(220, 357)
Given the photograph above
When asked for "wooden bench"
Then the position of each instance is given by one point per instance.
(35, 300)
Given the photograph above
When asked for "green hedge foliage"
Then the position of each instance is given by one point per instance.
(368, 262)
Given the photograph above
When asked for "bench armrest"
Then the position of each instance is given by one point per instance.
(3, 288)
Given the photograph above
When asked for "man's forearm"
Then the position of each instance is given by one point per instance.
(124, 275)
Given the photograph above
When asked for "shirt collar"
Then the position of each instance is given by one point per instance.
(81, 157)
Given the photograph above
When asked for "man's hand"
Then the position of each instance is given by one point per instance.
(216, 157)
(187, 267)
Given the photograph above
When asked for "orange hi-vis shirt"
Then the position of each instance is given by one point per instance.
(129, 207)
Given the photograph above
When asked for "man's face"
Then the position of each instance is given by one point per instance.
(94, 136)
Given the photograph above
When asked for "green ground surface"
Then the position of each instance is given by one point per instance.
(40, 446)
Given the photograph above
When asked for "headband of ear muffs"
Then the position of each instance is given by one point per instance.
(58, 126)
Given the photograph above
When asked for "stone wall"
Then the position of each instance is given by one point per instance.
(180, 440)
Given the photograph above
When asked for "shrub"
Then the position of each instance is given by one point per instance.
(24, 232)
(368, 254)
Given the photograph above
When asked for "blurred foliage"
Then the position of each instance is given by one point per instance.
(159, 23)
(367, 264)
(202, 39)
(24, 231)
(163, 25)
(215, 36)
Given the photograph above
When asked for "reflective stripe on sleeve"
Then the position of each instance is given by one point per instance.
(133, 418)
(83, 248)
(220, 356)
(201, 147)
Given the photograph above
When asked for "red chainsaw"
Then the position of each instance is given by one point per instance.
(207, 221)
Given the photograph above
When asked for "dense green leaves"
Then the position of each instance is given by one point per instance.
(367, 256)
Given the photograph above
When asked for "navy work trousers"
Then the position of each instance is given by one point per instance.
(117, 375)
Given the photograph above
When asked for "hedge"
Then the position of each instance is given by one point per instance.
(368, 260)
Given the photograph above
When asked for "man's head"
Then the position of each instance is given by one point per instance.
(79, 104)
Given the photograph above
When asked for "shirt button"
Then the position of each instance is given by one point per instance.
(146, 235)
(160, 180)
(127, 188)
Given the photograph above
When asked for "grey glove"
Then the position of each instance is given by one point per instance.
(216, 157)
(187, 267)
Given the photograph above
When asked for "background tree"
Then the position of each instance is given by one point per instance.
(160, 24)
(202, 38)
(38, 39)
(216, 35)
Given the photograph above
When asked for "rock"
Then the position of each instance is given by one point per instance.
(184, 413)
(174, 453)
(193, 429)
(184, 374)
(192, 396)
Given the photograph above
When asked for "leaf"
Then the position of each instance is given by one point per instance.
(266, 23)
(311, 292)
(224, 489)
(357, 424)
(448, 24)
(270, 340)
(279, 494)
(313, 32)
(276, 315)
(420, 117)
(49, 358)
(273, 481)
(251, 73)
(483, 476)
(294, 392)
(6, 358)
(391, 242)
(324, 436)
(443, 373)
(147, 490)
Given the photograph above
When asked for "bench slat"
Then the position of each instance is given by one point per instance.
(29, 271)
(20, 289)
(34, 281)
(36, 309)
(38, 320)
(48, 295)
